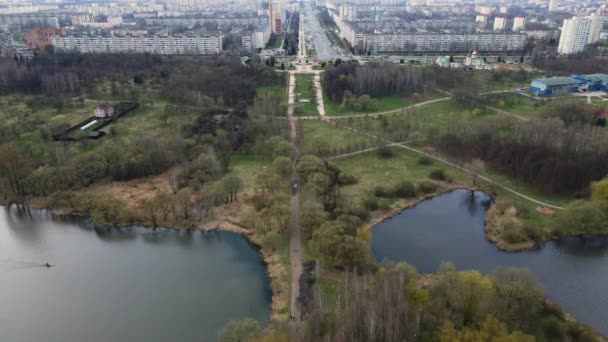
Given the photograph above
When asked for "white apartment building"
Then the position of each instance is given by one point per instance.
(552, 5)
(162, 45)
(481, 18)
(500, 23)
(577, 32)
(347, 12)
(428, 41)
(519, 23)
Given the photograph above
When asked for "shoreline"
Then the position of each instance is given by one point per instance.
(426, 279)
(490, 217)
(271, 260)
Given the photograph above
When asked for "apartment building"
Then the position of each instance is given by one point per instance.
(519, 23)
(378, 41)
(162, 45)
(577, 32)
(39, 38)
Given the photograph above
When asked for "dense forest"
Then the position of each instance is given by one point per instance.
(372, 79)
(392, 304)
(562, 153)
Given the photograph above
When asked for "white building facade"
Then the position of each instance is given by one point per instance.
(162, 45)
(577, 32)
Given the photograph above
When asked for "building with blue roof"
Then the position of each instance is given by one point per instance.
(592, 82)
(554, 86)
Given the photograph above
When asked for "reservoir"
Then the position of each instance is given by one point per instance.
(572, 271)
(127, 284)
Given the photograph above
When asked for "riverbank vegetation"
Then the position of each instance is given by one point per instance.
(448, 306)
(204, 148)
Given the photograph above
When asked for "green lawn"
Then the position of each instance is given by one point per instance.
(384, 103)
(248, 166)
(529, 107)
(373, 171)
(304, 87)
(508, 80)
(329, 140)
(438, 115)
(305, 91)
(516, 103)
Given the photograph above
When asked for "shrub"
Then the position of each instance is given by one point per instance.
(404, 189)
(424, 160)
(532, 233)
(380, 191)
(438, 174)
(347, 179)
(427, 187)
(371, 203)
(512, 236)
(384, 152)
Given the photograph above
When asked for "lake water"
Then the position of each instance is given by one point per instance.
(450, 227)
(129, 284)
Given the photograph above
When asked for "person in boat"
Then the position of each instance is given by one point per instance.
(47, 265)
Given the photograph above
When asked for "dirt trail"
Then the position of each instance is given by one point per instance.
(295, 244)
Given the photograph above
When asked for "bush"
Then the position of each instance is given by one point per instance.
(404, 189)
(427, 187)
(424, 160)
(438, 174)
(380, 191)
(513, 235)
(347, 179)
(532, 233)
(371, 203)
(384, 152)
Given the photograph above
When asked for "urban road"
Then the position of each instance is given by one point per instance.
(325, 50)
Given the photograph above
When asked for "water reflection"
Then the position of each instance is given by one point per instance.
(149, 285)
(450, 228)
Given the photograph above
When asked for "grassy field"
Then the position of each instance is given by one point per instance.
(529, 107)
(510, 80)
(304, 86)
(305, 91)
(248, 166)
(516, 103)
(373, 171)
(338, 139)
(384, 103)
(438, 115)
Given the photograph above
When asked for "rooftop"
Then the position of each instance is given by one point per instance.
(556, 81)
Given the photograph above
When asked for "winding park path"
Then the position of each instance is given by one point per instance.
(295, 243)
(453, 165)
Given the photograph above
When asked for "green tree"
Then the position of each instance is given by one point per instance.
(282, 166)
(14, 170)
(490, 330)
(339, 244)
(308, 165)
(231, 185)
(599, 190)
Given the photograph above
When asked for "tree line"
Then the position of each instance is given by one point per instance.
(546, 154)
(373, 79)
(392, 304)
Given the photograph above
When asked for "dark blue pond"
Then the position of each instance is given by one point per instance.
(450, 227)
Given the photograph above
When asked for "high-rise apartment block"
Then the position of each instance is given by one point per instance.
(577, 32)
(519, 23)
(500, 23)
